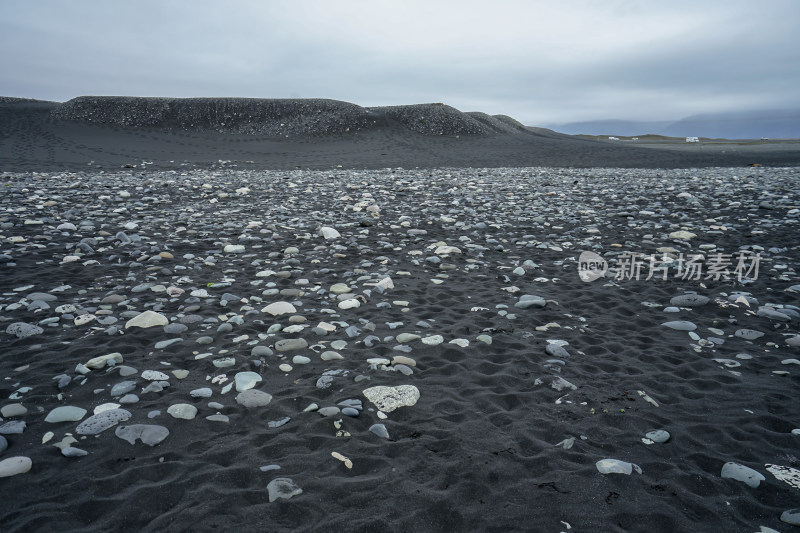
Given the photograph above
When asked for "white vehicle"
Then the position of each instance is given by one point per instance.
(692, 140)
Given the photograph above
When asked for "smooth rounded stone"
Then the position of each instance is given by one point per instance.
(791, 517)
(407, 337)
(191, 319)
(380, 430)
(556, 350)
(355, 403)
(350, 303)
(71, 451)
(285, 367)
(291, 345)
(175, 328)
(23, 330)
(123, 387)
(403, 360)
(742, 473)
(218, 418)
(291, 250)
(246, 380)
(147, 319)
(4, 444)
(102, 361)
(65, 413)
(615, 466)
(530, 300)
(447, 250)
(680, 325)
(659, 435)
(101, 421)
(300, 360)
(279, 308)
(282, 488)
(83, 319)
(154, 375)
(38, 305)
(253, 398)
(260, 351)
(350, 411)
(203, 392)
(185, 411)
(793, 341)
(15, 427)
(180, 373)
(689, 300)
(234, 249)
(167, 343)
(340, 288)
(329, 355)
(433, 340)
(204, 340)
(462, 343)
(328, 233)
(486, 339)
(14, 409)
(387, 399)
(682, 235)
(66, 226)
(105, 407)
(225, 328)
(329, 411)
(339, 344)
(155, 386)
(149, 434)
(672, 310)
(125, 371)
(224, 362)
(403, 369)
(129, 399)
(773, 314)
(14, 466)
(748, 334)
(278, 423)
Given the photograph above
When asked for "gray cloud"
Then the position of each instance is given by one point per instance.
(540, 62)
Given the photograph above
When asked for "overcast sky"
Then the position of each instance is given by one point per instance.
(541, 62)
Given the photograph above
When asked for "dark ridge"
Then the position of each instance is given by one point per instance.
(495, 125)
(274, 117)
(510, 121)
(254, 116)
(433, 119)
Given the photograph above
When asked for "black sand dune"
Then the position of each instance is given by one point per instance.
(112, 132)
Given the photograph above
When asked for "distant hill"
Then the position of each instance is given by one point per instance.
(774, 124)
(277, 117)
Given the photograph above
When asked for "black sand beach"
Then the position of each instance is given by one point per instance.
(234, 299)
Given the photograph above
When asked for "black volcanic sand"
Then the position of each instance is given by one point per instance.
(517, 403)
(114, 132)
